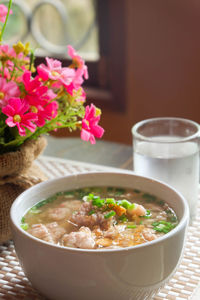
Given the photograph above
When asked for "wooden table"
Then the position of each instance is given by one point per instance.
(102, 153)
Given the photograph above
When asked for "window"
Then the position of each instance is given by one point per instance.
(94, 27)
(51, 25)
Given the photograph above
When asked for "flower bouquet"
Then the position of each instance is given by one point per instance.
(35, 101)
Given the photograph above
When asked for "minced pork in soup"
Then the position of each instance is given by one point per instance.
(95, 218)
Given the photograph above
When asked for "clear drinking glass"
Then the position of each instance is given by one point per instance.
(167, 149)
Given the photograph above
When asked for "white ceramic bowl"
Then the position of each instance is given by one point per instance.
(62, 273)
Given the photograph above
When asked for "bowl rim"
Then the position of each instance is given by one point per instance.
(184, 221)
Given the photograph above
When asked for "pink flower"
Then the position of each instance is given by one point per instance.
(6, 73)
(43, 108)
(46, 112)
(78, 94)
(3, 12)
(16, 110)
(49, 95)
(75, 83)
(77, 61)
(90, 127)
(78, 79)
(6, 50)
(54, 71)
(33, 87)
(38, 97)
(67, 76)
(7, 90)
(51, 71)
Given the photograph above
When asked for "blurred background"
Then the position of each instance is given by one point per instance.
(143, 56)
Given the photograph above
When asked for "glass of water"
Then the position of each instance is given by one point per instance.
(167, 149)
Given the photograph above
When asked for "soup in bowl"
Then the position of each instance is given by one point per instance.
(99, 235)
(100, 218)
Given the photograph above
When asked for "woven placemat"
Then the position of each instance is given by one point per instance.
(14, 284)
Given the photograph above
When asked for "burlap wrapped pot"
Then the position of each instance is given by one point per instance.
(17, 173)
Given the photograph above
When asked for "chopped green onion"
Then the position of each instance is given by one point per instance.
(119, 202)
(155, 224)
(125, 203)
(131, 226)
(119, 191)
(136, 191)
(81, 193)
(110, 201)
(132, 206)
(110, 214)
(87, 189)
(96, 190)
(92, 196)
(59, 194)
(123, 218)
(148, 197)
(98, 202)
(68, 193)
(148, 214)
(24, 226)
(34, 210)
(40, 204)
(161, 202)
(23, 220)
(91, 212)
(51, 199)
(43, 202)
(86, 198)
(173, 219)
(163, 226)
(171, 215)
(161, 222)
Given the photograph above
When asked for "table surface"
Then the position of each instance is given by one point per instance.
(102, 153)
(109, 154)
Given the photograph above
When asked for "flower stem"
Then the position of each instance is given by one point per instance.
(4, 25)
